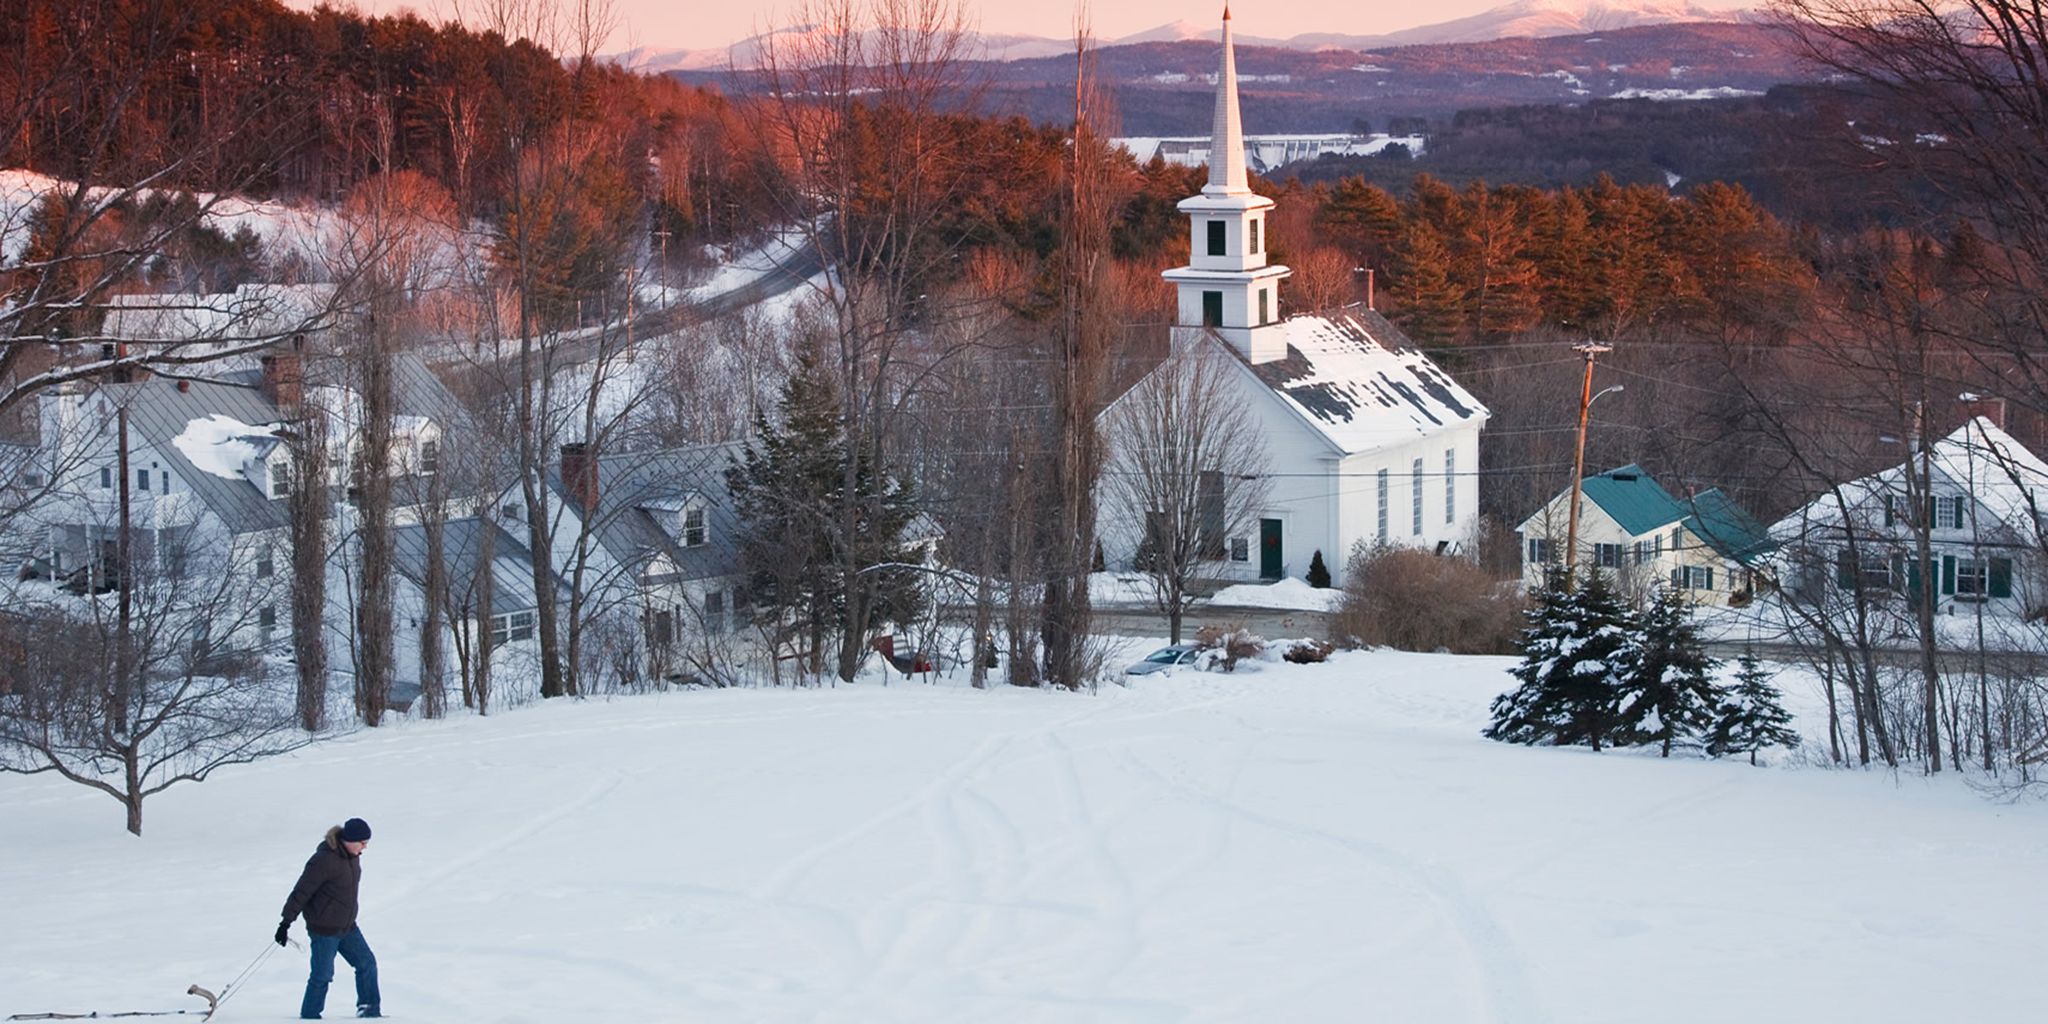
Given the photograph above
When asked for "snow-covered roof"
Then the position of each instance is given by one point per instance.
(1359, 381)
(2006, 480)
(223, 445)
(252, 310)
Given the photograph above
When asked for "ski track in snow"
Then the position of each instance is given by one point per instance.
(1498, 970)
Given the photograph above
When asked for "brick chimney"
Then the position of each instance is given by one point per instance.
(284, 380)
(579, 474)
(110, 351)
(1990, 407)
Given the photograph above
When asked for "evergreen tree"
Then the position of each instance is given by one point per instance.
(1751, 716)
(1432, 307)
(1669, 693)
(791, 498)
(1361, 218)
(1575, 654)
(1318, 573)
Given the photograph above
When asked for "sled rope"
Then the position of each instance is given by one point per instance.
(228, 991)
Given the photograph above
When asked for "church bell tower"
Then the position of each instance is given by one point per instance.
(1227, 286)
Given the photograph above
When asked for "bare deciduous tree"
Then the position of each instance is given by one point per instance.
(1186, 470)
(133, 692)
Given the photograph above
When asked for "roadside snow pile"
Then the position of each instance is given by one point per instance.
(1290, 594)
(221, 445)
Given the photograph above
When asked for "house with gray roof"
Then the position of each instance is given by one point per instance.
(646, 544)
(1981, 506)
(1704, 545)
(202, 468)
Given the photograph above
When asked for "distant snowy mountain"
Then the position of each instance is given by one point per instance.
(749, 51)
(1183, 31)
(1523, 18)
(1538, 19)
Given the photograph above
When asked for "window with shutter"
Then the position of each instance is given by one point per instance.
(1972, 578)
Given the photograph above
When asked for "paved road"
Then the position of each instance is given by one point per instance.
(1267, 622)
(652, 325)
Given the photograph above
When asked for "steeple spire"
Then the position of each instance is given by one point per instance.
(1226, 134)
(1228, 290)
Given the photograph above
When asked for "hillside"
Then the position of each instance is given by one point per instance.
(1164, 88)
(1286, 845)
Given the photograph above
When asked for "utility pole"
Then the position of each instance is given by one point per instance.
(1590, 350)
(1930, 580)
(662, 233)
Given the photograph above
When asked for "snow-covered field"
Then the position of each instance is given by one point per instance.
(1301, 843)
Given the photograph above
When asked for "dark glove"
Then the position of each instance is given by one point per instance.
(284, 929)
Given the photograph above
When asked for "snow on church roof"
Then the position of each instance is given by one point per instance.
(1358, 380)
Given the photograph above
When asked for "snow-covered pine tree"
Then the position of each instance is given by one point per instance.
(1752, 716)
(1669, 693)
(1318, 572)
(1575, 653)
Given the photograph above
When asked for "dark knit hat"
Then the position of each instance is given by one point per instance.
(355, 830)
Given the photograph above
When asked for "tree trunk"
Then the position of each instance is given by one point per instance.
(486, 575)
(433, 650)
(984, 640)
(307, 508)
(375, 537)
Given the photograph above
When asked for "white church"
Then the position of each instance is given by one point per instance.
(1367, 441)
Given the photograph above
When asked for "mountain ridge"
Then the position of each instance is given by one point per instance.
(1517, 19)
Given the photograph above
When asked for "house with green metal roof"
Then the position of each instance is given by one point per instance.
(1631, 527)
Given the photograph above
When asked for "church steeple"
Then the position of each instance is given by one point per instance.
(1227, 286)
(1226, 133)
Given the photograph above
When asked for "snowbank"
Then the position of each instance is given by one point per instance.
(1290, 594)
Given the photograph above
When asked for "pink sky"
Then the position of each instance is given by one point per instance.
(703, 24)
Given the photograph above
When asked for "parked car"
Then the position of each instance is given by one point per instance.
(1165, 659)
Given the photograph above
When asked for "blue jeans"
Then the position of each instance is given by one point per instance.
(356, 950)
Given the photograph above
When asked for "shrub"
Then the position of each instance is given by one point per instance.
(1417, 601)
(1226, 647)
(1318, 573)
(1308, 652)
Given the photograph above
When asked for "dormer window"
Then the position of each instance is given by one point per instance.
(430, 457)
(280, 480)
(693, 532)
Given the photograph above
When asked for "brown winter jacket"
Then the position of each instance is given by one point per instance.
(326, 892)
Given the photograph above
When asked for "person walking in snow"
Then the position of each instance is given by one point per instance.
(326, 894)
